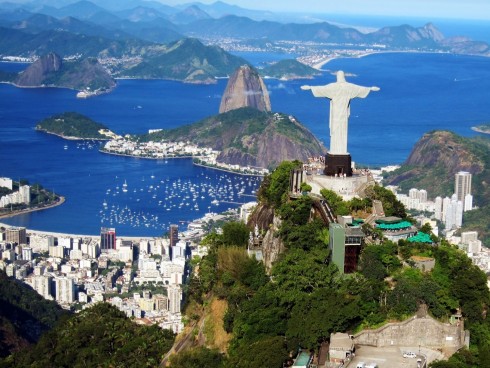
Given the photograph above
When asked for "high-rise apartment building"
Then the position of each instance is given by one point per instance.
(107, 238)
(65, 290)
(16, 235)
(42, 284)
(25, 194)
(462, 185)
(174, 235)
(174, 298)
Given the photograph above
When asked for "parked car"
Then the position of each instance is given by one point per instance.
(409, 354)
(361, 365)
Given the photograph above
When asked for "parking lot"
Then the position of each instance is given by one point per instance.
(392, 357)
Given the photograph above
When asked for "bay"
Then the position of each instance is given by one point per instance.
(419, 93)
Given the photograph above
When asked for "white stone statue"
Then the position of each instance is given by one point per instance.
(340, 93)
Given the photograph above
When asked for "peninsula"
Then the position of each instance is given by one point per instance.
(19, 197)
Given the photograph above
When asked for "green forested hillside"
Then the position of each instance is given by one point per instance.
(304, 298)
(100, 336)
(24, 315)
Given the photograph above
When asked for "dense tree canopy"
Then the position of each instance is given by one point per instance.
(100, 336)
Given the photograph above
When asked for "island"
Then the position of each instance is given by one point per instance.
(75, 126)
(289, 69)
(484, 128)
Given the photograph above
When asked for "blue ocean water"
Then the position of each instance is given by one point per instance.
(419, 93)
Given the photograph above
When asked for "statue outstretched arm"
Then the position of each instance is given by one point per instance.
(375, 89)
(305, 88)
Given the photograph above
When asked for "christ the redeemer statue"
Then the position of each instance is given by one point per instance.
(340, 93)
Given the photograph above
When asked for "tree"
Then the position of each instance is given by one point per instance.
(197, 358)
(268, 352)
(315, 317)
(277, 184)
(336, 203)
(235, 233)
(299, 273)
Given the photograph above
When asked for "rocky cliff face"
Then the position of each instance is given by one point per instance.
(50, 70)
(268, 223)
(245, 88)
(37, 72)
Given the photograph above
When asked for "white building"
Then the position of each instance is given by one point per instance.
(27, 254)
(76, 254)
(65, 242)
(41, 243)
(56, 251)
(438, 208)
(468, 202)
(174, 298)
(65, 290)
(42, 284)
(6, 183)
(25, 194)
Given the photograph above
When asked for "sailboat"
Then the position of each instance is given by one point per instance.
(125, 187)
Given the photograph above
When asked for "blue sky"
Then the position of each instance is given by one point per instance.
(467, 9)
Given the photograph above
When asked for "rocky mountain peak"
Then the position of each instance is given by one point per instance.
(245, 88)
(431, 31)
(35, 74)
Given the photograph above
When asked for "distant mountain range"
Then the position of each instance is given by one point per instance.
(140, 38)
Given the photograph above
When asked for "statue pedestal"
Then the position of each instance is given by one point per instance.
(338, 164)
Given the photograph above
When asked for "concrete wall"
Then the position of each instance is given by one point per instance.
(416, 331)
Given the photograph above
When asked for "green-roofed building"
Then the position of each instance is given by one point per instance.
(420, 238)
(395, 228)
(388, 220)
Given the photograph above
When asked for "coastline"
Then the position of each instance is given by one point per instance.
(69, 138)
(478, 130)
(322, 63)
(148, 158)
(174, 157)
(28, 210)
(92, 94)
(67, 235)
(226, 170)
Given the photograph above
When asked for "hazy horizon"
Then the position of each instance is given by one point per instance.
(455, 9)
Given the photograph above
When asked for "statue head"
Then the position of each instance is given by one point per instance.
(340, 76)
